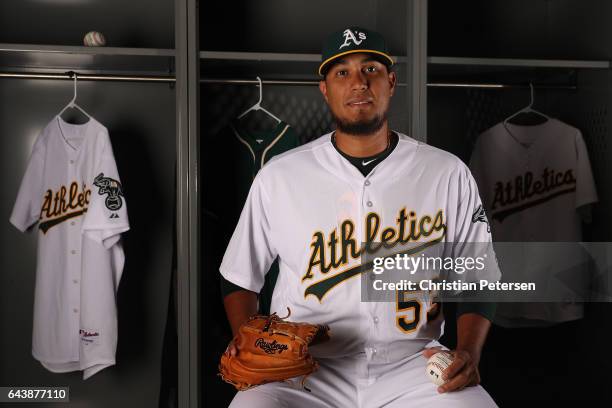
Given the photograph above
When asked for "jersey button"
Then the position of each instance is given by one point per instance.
(367, 182)
(369, 204)
(375, 319)
(75, 281)
(71, 161)
(75, 310)
(72, 222)
(73, 252)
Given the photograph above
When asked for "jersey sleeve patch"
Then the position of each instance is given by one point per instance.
(113, 191)
(480, 216)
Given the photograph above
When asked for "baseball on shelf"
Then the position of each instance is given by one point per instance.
(437, 364)
(94, 39)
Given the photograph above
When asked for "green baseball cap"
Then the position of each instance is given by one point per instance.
(350, 41)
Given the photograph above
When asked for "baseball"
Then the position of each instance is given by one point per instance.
(94, 39)
(437, 364)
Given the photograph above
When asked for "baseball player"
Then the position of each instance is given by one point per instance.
(72, 190)
(315, 205)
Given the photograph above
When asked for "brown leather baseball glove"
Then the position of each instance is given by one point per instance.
(271, 349)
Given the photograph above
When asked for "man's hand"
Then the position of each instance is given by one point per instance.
(239, 306)
(231, 348)
(463, 371)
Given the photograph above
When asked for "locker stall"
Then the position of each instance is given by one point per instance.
(482, 57)
(127, 86)
(279, 42)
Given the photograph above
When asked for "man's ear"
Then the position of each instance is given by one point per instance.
(392, 82)
(323, 89)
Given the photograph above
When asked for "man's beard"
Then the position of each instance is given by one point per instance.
(361, 128)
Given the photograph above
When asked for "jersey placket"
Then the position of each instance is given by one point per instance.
(73, 275)
(371, 311)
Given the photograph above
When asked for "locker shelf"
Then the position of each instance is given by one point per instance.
(543, 72)
(512, 62)
(26, 58)
(69, 49)
(282, 66)
(258, 56)
(269, 56)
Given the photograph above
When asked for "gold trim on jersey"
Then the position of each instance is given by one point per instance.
(265, 151)
(241, 140)
(276, 139)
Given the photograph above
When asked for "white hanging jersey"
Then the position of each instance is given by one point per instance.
(71, 188)
(313, 209)
(532, 179)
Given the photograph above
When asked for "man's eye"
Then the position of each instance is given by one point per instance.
(341, 73)
(371, 68)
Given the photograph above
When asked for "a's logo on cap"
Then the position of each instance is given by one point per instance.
(350, 36)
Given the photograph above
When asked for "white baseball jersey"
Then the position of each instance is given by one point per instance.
(532, 179)
(312, 208)
(72, 190)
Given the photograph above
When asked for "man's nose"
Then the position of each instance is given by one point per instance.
(359, 82)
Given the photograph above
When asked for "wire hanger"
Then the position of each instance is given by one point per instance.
(527, 109)
(72, 103)
(258, 106)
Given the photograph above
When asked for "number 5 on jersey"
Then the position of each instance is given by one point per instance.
(408, 309)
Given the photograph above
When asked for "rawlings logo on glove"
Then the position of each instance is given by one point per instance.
(271, 349)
